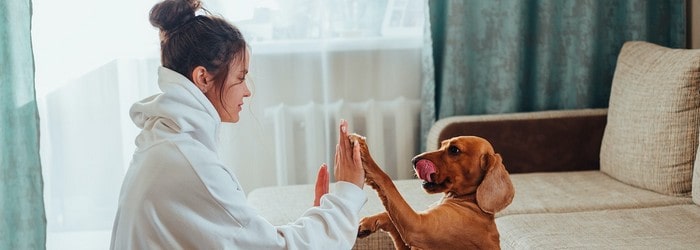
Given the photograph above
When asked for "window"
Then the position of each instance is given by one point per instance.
(92, 65)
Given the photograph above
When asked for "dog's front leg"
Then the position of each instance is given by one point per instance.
(405, 220)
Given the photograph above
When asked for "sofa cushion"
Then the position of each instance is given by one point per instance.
(562, 192)
(669, 227)
(558, 192)
(651, 136)
(282, 205)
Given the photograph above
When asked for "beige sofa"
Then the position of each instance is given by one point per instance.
(623, 177)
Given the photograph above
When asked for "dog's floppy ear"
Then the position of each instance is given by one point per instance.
(496, 190)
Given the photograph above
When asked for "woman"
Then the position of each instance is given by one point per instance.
(177, 194)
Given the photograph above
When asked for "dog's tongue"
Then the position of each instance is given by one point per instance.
(424, 168)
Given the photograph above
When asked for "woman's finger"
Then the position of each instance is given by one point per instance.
(356, 156)
(326, 179)
(336, 160)
(343, 138)
(322, 184)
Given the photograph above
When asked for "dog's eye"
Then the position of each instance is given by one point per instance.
(453, 150)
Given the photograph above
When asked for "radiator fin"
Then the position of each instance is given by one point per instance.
(305, 135)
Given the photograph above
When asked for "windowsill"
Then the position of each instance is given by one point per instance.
(78, 240)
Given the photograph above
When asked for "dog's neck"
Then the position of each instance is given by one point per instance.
(466, 197)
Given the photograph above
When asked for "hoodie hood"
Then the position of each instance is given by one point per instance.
(181, 110)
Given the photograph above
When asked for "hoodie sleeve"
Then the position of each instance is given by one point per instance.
(332, 225)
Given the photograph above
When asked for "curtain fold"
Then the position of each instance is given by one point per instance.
(505, 56)
(23, 224)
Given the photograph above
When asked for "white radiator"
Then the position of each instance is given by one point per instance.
(305, 136)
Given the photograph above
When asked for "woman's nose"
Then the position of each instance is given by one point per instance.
(247, 91)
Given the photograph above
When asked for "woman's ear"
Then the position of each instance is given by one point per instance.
(201, 79)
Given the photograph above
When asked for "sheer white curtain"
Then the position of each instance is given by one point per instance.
(95, 58)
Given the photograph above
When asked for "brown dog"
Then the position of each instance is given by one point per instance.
(476, 186)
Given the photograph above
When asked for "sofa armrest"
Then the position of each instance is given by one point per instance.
(543, 141)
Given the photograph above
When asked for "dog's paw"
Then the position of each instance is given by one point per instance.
(367, 162)
(363, 233)
(364, 149)
(367, 227)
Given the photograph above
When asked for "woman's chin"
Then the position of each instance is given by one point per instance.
(231, 119)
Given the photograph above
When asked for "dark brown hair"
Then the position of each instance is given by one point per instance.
(189, 40)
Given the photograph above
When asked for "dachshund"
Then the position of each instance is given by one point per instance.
(475, 184)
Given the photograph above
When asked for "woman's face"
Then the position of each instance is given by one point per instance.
(228, 100)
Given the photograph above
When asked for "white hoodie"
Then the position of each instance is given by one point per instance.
(177, 194)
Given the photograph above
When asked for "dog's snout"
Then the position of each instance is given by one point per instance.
(414, 160)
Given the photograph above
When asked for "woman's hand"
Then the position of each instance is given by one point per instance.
(348, 163)
(322, 182)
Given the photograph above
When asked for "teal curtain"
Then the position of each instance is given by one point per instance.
(22, 217)
(503, 56)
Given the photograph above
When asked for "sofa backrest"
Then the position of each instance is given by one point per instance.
(651, 138)
(542, 141)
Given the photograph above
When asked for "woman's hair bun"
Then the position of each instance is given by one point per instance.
(170, 14)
